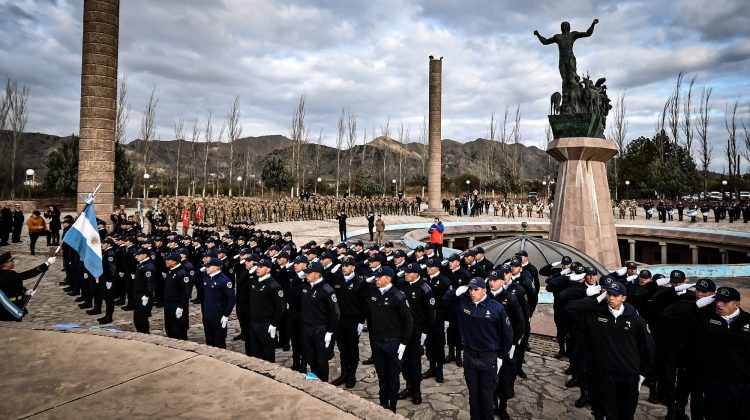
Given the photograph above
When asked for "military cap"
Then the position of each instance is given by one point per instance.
(645, 274)
(705, 285)
(5, 257)
(567, 260)
(214, 262)
(301, 260)
(606, 280)
(173, 256)
(454, 257)
(265, 262)
(477, 283)
(631, 264)
(314, 268)
(615, 288)
(413, 268)
(591, 270)
(727, 294)
(515, 261)
(399, 253)
(677, 276)
(522, 253)
(386, 271)
(388, 244)
(434, 262)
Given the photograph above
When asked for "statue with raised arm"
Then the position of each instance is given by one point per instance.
(583, 108)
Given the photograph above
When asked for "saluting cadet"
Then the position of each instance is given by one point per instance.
(320, 315)
(219, 298)
(435, 344)
(391, 328)
(266, 310)
(177, 290)
(11, 284)
(487, 336)
(458, 277)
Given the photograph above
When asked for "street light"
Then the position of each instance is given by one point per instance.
(239, 182)
(146, 176)
(29, 181)
(723, 189)
(316, 185)
(627, 190)
(468, 183)
(393, 187)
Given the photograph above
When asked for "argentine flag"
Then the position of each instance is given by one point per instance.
(83, 237)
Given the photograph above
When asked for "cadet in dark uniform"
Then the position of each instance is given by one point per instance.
(106, 282)
(391, 327)
(320, 315)
(435, 344)
(422, 306)
(177, 290)
(219, 298)
(621, 349)
(350, 291)
(144, 284)
(458, 277)
(294, 312)
(11, 283)
(266, 310)
(242, 284)
(487, 336)
(525, 280)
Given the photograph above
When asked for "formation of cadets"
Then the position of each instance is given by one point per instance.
(715, 211)
(629, 327)
(475, 205)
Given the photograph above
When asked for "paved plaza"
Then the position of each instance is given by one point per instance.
(542, 396)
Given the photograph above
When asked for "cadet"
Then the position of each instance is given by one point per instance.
(391, 327)
(242, 290)
(266, 310)
(177, 290)
(294, 312)
(435, 344)
(11, 285)
(105, 283)
(525, 280)
(422, 305)
(219, 298)
(458, 277)
(487, 336)
(621, 349)
(350, 290)
(144, 285)
(320, 315)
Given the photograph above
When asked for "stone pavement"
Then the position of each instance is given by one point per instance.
(542, 396)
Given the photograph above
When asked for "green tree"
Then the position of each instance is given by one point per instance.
(275, 174)
(366, 184)
(62, 169)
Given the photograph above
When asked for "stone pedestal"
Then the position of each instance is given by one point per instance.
(434, 199)
(582, 213)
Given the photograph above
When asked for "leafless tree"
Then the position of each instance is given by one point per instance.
(298, 135)
(385, 132)
(424, 140)
(617, 132)
(234, 131)
(516, 139)
(403, 138)
(660, 127)
(733, 158)
(318, 150)
(673, 110)
(505, 136)
(687, 118)
(17, 118)
(746, 129)
(4, 113)
(339, 144)
(208, 134)
(194, 137)
(123, 111)
(148, 131)
(706, 150)
(491, 136)
(351, 141)
(179, 136)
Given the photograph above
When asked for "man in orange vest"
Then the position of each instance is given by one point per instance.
(436, 236)
(185, 221)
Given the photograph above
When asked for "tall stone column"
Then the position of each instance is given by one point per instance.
(96, 154)
(435, 206)
(582, 212)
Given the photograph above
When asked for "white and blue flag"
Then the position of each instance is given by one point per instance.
(83, 237)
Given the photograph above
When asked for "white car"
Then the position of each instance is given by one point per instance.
(714, 195)
(744, 195)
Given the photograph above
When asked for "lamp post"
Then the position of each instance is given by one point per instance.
(146, 176)
(627, 190)
(29, 181)
(316, 185)
(393, 187)
(468, 184)
(239, 184)
(544, 184)
(723, 190)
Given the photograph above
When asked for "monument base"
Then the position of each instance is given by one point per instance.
(433, 213)
(576, 125)
(582, 212)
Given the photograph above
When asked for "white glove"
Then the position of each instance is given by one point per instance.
(422, 338)
(622, 271)
(499, 364)
(132, 276)
(705, 301)
(96, 280)
(370, 279)
(683, 286)
(224, 321)
(202, 269)
(163, 274)
(327, 338)
(252, 269)
(566, 271)
(401, 273)
(593, 290)
(272, 331)
(108, 284)
(512, 351)
(601, 297)
(461, 290)
(556, 263)
(51, 260)
(85, 275)
(121, 273)
(30, 292)
(641, 378)
(446, 324)
(662, 281)
(631, 278)
(144, 300)
(400, 351)
(178, 313)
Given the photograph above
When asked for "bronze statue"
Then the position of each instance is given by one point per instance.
(564, 41)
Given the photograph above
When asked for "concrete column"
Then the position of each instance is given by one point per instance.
(471, 241)
(724, 256)
(663, 246)
(694, 254)
(96, 154)
(451, 241)
(434, 168)
(631, 249)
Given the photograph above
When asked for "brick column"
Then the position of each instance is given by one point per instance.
(434, 195)
(631, 249)
(96, 155)
(694, 254)
(663, 246)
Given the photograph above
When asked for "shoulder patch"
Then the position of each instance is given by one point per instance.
(281, 293)
(229, 284)
(148, 274)
(186, 279)
(110, 259)
(432, 301)
(333, 297)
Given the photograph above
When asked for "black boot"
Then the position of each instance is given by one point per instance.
(429, 373)
(120, 301)
(451, 355)
(502, 408)
(341, 379)
(127, 307)
(368, 361)
(105, 320)
(459, 359)
(572, 382)
(238, 337)
(406, 393)
(416, 396)
(85, 305)
(653, 396)
(521, 374)
(439, 373)
(351, 377)
(583, 399)
(79, 299)
(94, 311)
(392, 405)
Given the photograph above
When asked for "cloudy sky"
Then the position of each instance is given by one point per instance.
(370, 57)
